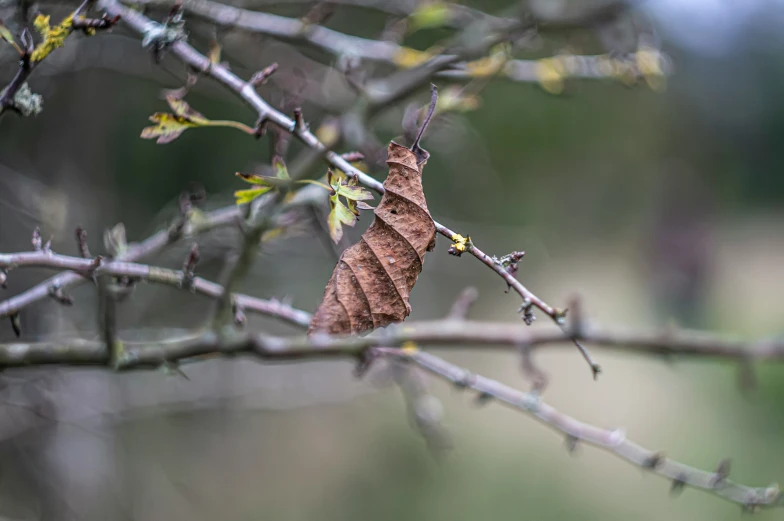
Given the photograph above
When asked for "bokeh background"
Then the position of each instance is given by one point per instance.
(657, 208)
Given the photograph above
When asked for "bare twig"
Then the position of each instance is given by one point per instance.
(215, 219)
(119, 268)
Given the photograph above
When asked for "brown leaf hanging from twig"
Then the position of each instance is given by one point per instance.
(371, 283)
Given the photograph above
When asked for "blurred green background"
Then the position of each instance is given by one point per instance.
(656, 208)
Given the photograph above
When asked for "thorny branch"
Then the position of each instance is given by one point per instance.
(448, 333)
(81, 268)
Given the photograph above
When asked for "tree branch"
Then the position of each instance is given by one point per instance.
(138, 355)
(339, 44)
(215, 219)
(174, 278)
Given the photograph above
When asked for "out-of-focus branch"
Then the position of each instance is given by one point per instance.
(134, 355)
(458, 16)
(614, 441)
(448, 333)
(343, 45)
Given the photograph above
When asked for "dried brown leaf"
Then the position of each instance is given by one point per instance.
(370, 286)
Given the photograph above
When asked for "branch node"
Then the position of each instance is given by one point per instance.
(616, 437)
(530, 401)
(57, 293)
(511, 262)
(460, 245)
(654, 460)
(260, 128)
(527, 311)
(36, 241)
(678, 484)
(465, 381)
(483, 398)
(299, 121)
(81, 242)
(721, 473)
(189, 266)
(572, 443)
(239, 315)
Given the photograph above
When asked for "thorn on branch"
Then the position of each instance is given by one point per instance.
(353, 156)
(239, 315)
(36, 239)
(81, 242)
(365, 360)
(300, 125)
(678, 484)
(57, 293)
(721, 473)
(16, 324)
(90, 25)
(572, 443)
(3, 279)
(653, 462)
(483, 398)
(463, 303)
(260, 128)
(261, 77)
(188, 266)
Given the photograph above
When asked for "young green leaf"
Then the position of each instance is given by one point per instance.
(114, 240)
(338, 216)
(345, 187)
(215, 52)
(169, 127)
(7, 35)
(265, 183)
(249, 194)
(281, 172)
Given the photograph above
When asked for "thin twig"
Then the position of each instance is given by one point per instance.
(153, 274)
